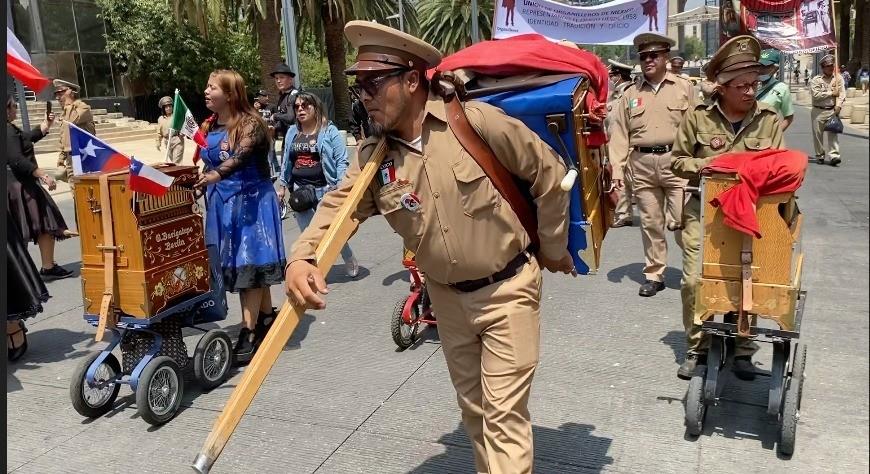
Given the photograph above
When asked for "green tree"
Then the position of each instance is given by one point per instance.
(446, 24)
(322, 21)
(262, 17)
(151, 47)
(693, 48)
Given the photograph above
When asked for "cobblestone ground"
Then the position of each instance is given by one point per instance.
(341, 399)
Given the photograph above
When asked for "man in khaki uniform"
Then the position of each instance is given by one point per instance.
(620, 80)
(828, 94)
(74, 111)
(644, 126)
(175, 142)
(732, 121)
(482, 277)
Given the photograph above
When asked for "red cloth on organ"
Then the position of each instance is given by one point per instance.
(762, 173)
(771, 6)
(530, 53)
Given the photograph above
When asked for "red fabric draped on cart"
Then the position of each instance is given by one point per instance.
(762, 173)
(771, 6)
(530, 53)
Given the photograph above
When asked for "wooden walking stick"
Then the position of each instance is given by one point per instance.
(327, 251)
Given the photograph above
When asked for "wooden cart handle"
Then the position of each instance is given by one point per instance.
(336, 237)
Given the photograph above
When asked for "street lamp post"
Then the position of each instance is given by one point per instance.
(475, 28)
(290, 39)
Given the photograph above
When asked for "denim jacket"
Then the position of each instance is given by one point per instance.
(332, 147)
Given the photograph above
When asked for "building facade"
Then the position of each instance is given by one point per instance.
(66, 40)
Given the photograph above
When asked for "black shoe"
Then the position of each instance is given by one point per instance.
(15, 353)
(688, 367)
(264, 322)
(835, 161)
(624, 222)
(820, 160)
(55, 273)
(650, 288)
(244, 349)
(743, 368)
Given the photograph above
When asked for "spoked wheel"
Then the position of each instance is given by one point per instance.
(159, 392)
(696, 409)
(212, 359)
(96, 401)
(792, 405)
(405, 335)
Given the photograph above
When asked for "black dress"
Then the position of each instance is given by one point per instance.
(24, 287)
(33, 209)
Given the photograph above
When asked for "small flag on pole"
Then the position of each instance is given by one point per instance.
(92, 155)
(145, 179)
(184, 123)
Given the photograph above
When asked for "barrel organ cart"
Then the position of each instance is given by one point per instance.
(146, 274)
(744, 279)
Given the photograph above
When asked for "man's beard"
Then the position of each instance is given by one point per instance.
(376, 128)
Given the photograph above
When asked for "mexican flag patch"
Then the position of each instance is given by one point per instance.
(386, 173)
(635, 103)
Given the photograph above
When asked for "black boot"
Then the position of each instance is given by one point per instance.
(264, 322)
(688, 367)
(650, 288)
(743, 368)
(244, 349)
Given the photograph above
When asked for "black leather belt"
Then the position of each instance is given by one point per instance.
(653, 149)
(823, 108)
(509, 271)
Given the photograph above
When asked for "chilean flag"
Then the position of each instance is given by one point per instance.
(145, 179)
(91, 155)
(18, 64)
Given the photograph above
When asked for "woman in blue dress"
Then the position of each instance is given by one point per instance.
(242, 220)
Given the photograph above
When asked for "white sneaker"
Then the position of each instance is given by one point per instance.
(352, 267)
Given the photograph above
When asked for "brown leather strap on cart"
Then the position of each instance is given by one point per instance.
(107, 313)
(743, 323)
(481, 152)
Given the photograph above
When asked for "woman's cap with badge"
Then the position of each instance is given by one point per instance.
(647, 42)
(164, 101)
(736, 57)
(381, 48)
(827, 60)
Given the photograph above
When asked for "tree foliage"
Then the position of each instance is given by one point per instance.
(149, 45)
(693, 48)
(446, 24)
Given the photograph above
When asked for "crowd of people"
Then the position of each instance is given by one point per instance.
(483, 272)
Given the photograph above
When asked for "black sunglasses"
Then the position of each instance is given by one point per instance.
(650, 55)
(372, 85)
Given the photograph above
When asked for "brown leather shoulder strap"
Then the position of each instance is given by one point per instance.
(501, 178)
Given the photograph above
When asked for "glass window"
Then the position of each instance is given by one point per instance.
(58, 25)
(22, 19)
(90, 27)
(98, 79)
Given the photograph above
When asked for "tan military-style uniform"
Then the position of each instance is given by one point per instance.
(78, 113)
(623, 205)
(705, 134)
(823, 109)
(175, 143)
(451, 216)
(649, 117)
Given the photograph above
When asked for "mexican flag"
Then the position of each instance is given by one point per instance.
(184, 123)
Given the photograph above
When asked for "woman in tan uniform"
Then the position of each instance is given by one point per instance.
(732, 120)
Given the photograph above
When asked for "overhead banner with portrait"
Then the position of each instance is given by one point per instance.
(613, 23)
(791, 26)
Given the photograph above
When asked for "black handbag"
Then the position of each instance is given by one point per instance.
(834, 124)
(303, 198)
